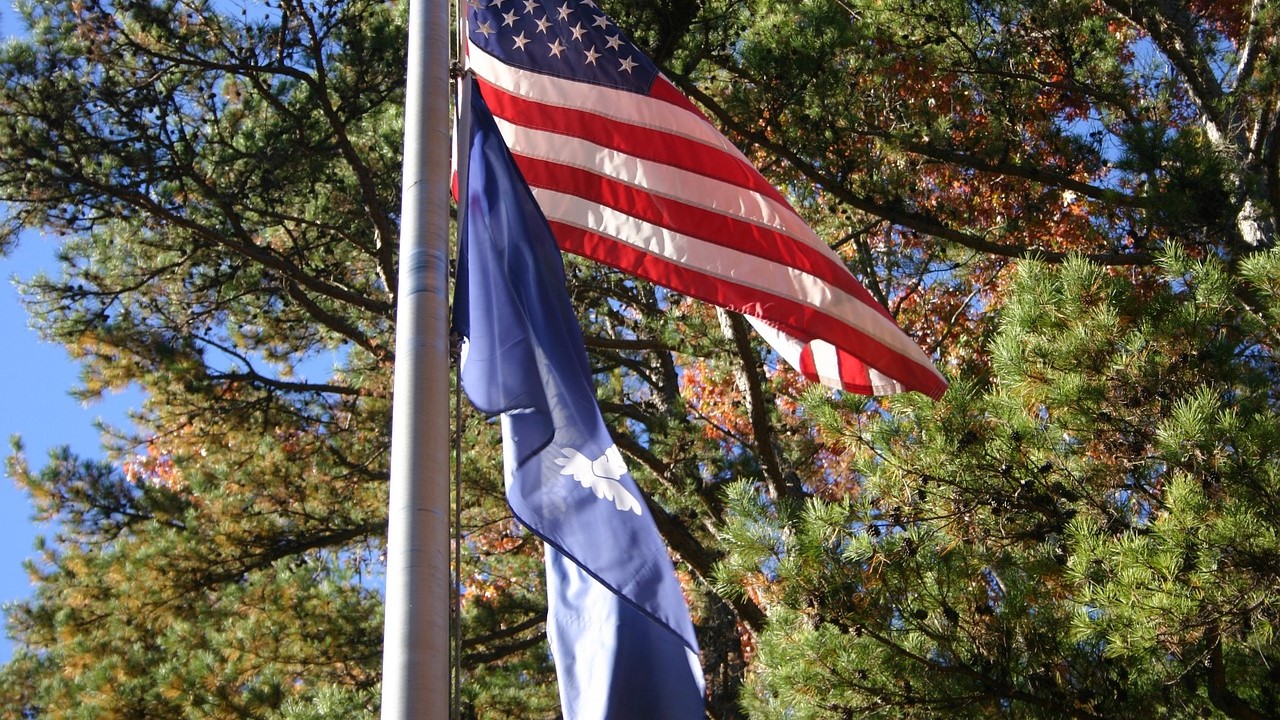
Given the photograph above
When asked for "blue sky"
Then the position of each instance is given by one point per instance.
(35, 402)
(35, 378)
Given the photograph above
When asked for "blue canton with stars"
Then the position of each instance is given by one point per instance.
(569, 39)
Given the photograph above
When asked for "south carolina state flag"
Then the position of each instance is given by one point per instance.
(629, 173)
(619, 627)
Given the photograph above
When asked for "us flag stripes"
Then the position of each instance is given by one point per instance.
(629, 173)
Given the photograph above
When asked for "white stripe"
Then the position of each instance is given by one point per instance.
(729, 265)
(787, 346)
(665, 181)
(619, 105)
(826, 362)
(826, 358)
(882, 384)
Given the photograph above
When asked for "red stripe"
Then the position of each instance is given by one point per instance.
(697, 222)
(852, 372)
(644, 143)
(796, 319)
(663, 90)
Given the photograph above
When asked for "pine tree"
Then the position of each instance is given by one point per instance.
(1091, 532)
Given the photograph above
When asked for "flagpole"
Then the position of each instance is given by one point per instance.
(415, 658)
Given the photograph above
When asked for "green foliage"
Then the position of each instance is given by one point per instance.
(331, 703)
(226, 189)
(1084, 526)
(150, 603)
(1092, 532)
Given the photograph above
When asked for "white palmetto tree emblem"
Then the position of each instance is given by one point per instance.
(600, 476)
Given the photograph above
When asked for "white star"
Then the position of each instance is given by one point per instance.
(520, 41)
(556, 48)
(477, 4)
(627, 64)
(601, 22)
(564, 11)
(497, 3)
(509, 18)
(485, 29)
(578, 31)
(543, 25)
(530, 6)
(592, 55)
(614, 42)
(589, 3)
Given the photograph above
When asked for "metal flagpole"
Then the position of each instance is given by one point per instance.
(415, 658)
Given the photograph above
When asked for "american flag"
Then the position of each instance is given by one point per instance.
(629, 173)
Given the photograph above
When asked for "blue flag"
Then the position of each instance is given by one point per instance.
(617, 620)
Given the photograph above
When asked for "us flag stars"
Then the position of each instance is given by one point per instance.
(544, 35)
